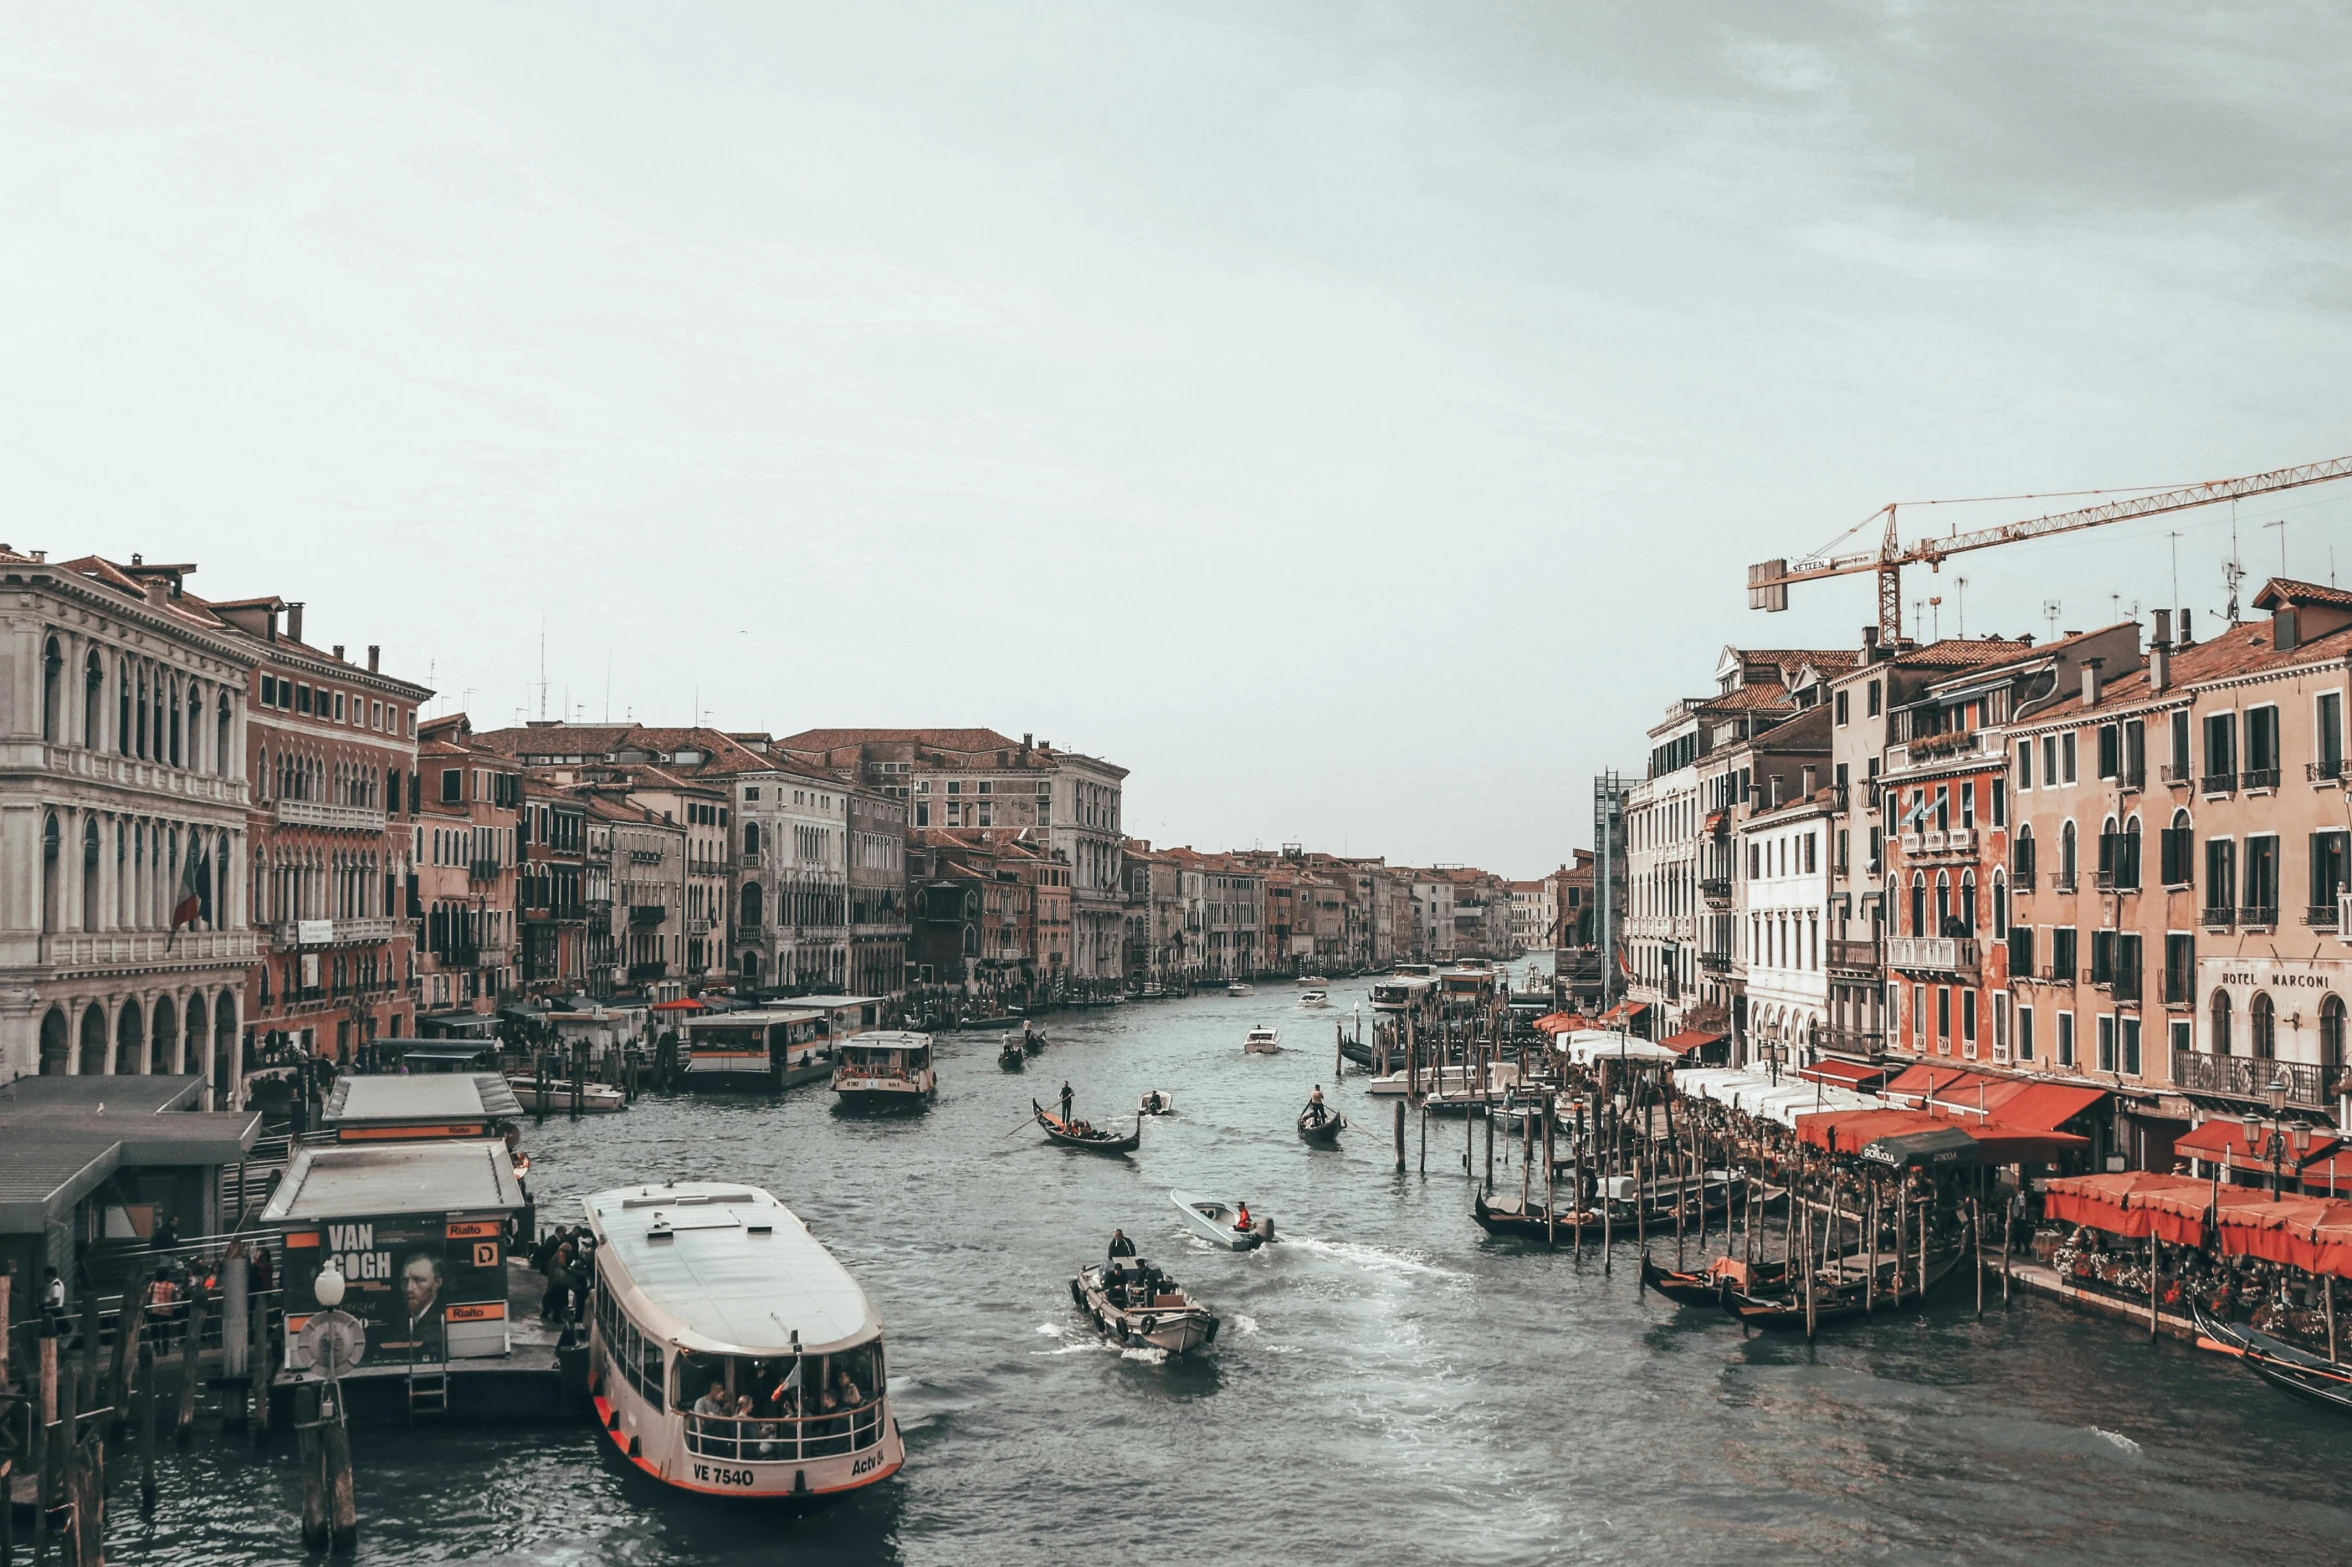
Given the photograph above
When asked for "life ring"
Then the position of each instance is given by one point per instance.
(1146, 1327)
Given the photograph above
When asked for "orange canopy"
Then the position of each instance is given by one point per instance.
(1557, 1022)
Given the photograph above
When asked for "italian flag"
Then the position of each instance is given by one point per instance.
(195, 900)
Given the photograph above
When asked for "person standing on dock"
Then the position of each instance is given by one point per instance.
(1065, 1102)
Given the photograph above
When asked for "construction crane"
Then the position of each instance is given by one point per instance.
(1768, 581)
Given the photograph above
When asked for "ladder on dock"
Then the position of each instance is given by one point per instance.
(428, 1391)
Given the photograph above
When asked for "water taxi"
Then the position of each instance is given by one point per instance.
(731, 1354)
(1262, 1042)
(885, 1071)
(1315, 999)
(1400, 997)
(1454, 1082)
(1241, 988)
(1136, 1304)
(775, 1048)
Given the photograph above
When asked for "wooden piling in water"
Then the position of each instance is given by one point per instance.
(190, 1358)
(146, 1397)
(44, 1422)
(1400, 1137)
(130, 1330)
(1551, 1115)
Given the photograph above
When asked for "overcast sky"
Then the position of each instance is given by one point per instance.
(1353, 419)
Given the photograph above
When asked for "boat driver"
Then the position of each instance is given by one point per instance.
(1121, 1246)
(1241, 1219)
(1315, 1110)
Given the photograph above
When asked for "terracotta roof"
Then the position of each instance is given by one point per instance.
(2239, 651)
(2288, 590)
(1752, 699)
(1959, 653)
(968, 740)
(1798, 657)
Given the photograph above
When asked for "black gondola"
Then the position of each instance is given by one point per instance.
(1504, 1216)
(1323, 1133)
(1841, 1296)
(1351, 1050)
(1092, 1142)
(1032, 1042)
(1709, 1285)
(2283, 1365)
(1012, 1058)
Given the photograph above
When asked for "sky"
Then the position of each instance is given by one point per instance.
(1353, 419)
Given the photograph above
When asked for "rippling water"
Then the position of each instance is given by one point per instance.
(1390, 1384)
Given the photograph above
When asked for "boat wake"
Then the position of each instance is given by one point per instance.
(2122, 1443)
(1244, 1324)
(1372, 1259)
(1146, 1353)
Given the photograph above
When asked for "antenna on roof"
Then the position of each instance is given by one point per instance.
(2281, 525)
(2050, 614)
(543, 668)
(2231, 572)
(1960, 610)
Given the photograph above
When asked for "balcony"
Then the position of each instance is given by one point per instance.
(645, 856)
(2132, 779)
(1935, 954)
(2323, 916)
(2056, 974)
(646, 973)
(1715, 962)
(1934, 748)
(2062, 881)
(2260, 778)
(1716, 890)
(339, 818)
(1869, 1042)
(2176, 776)
(86, 951)
(1854, 956)
(2124, 983)
(648, 913)
(1960, 840)
(2219, 919)
(2325, 771)
(334, 933)
(2218, 783)
(2258, 916)
(750, 859)
(483, 870)
(698, 927)
(2240, 1077)
(1909, 842)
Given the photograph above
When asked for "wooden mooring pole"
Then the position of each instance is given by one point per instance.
(146, 1398)
(191, 1356)
(1400, 1136)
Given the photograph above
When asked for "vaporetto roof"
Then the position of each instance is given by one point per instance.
(723, 1268)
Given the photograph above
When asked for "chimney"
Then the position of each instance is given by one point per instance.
(157, 590)
(1869, 644)
(1809, 773)
(338, 650)
(2160, 653)
(2090, 681)
(375, 658)
(2282, 628)
(1776, 782)
(294, 622)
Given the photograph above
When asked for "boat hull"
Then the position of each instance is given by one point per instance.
(598, 1099)
(1100, 1142)
(789, 1484)
(1177, 1325)
(1325, 1135)
(875, 1100)
(1217, 1227)
(1509, 1220)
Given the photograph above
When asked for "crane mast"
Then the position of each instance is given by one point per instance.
(1769, 581)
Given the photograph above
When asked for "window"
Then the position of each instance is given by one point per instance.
(2262, 1027)
(2181, 1030)
(2066, 857)
(2024, 766)
(2221, 874)
(2000, 905)
(2021, 855)
(2000, 802)
(2327, 738)
(1870, 700)
(2180, 967)
(2260, 904)
(2135, 753)
(451, 783)
(338, 707)
(2262, 748)
(2049, 761)
(2178, 769)
(2221, 751)
(2102, 957)
(2218, 1030)
(1841, 709)
(2025, 1034)
(2176, 851)
(2062, 954)
(2066, 1039)
(301, 698)
(2066, 757)
(2129, 1028)
(2110, 750)
(1943, 1020)
(1968, 1020)
(2106, 1042)
(269, 690)
(1968, 803)
(2021, 951)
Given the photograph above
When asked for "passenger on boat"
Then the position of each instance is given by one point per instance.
(1241, 1219)
(1121, 1246)
(713, 1400)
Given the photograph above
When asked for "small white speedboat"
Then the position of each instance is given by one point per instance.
(1316, 980)
(1215, 1222)
(1156, 1102)
(1262, 1042)
(1240, 988)
(1315, 999)
(595, 1098)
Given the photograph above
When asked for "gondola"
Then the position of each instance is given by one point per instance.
(1032, 1042)
(1324, 1133)
(1506, 1217)
(1012, 1057)
(1708, 1285)
(1841, 1295)
(2281, 1364)
(1092, 1142)
(1360, 1054)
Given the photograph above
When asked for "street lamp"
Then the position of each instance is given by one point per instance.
(2272, 1140)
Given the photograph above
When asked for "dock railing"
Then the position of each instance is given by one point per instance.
(782, 1439)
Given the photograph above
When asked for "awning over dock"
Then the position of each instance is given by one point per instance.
(440, 1104)
(61, 1138)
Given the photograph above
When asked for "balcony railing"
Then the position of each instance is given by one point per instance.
(1716, 889)
(1854, 1041)
(2322, 916)
(338, 933)
(2325, 771)
(750, 859)
(1715, 962)
(2172, 774)
(316, 813)
(2132, 777)
(1846, 954)
(2062, 881)
(2218, 783)
(2241, 1077)
(2257, 915)
(483, 870)
(2219, 918)
(1940, 954)
(648, 913)
(2260, 778)
(84, 950)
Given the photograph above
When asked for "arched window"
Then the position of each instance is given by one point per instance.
(139, 719)
(220, 738)
(1943, 905)
(1968, 902)
(754, 904)
(2331, 1045)
(2127, 864)
(2000, 906)
(56, 1043)
(2219, 1029)
(93, 699)
(50, 877)
(2109, 844)
(2021, 854)
(89, 874)
(122, 706)
(2066, 859)
(1919, 904)
(52, 680)
(195, 729)
(261, 776)
(2262, 1026)
(751, 837)
(172, 700)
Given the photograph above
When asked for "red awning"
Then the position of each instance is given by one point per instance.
(2118, 1204)
(1557, 1023)
(1952, 1085)
(1846, 1131)
(682, 1004)
(1691, 1039)
(1848, 1074)
(2226, 1135)
(2022, 1145)
(1625, 1011)
(2044, 1107)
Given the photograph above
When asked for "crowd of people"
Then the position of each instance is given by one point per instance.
(818, 1397)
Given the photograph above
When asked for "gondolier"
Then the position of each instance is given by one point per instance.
(1065, 1101)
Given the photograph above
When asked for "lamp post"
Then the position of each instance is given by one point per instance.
(2272, 1139)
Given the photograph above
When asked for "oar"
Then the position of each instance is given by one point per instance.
(1028, 1120)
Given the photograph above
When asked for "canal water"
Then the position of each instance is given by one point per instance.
(1390, 1385)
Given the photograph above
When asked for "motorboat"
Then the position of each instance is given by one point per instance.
(1316, 980)
(885, 1071)
(1155, 1102)
(1315, 999)
(1321, 1125)
(1497, 1081)
(1262, 1041)
(1219, 1223)
(1241, 988)
(1077, 1134)
(595, 1098)
(1135, 1304)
